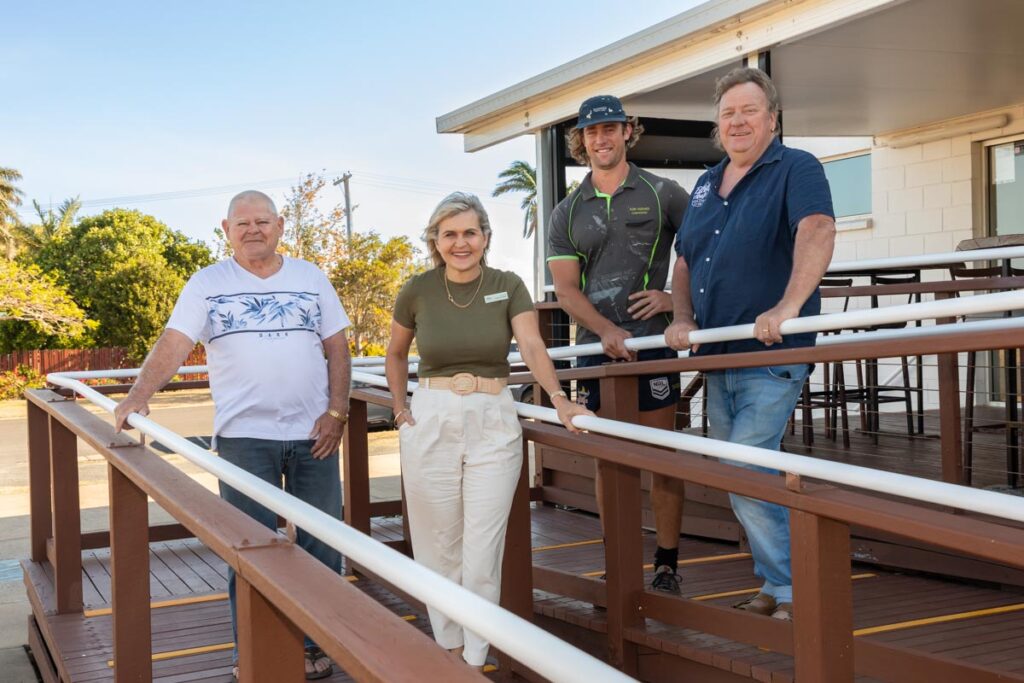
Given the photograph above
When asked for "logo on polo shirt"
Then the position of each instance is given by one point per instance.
(639, 210)
(700, 194)
(660, 388)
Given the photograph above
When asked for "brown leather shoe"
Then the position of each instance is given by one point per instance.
(762, 603)
(783, 611)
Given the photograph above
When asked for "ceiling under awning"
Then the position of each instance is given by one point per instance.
(843, 68)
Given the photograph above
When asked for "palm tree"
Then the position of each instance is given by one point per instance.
(10, 197)
(51, 223)
(521, 177)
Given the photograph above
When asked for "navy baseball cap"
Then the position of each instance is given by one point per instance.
(601, 109)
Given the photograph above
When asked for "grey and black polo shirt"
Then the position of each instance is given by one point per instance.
(622, 242)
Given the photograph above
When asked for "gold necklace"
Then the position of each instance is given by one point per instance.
(444, 276)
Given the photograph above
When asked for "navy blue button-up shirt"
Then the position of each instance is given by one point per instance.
(740, 249)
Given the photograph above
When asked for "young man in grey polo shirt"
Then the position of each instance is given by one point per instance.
(610, 243)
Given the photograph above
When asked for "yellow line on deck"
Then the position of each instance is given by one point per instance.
(203, 649)
(942, 619)
(750, 591)
(693, 560)
(174, 602)
(193, 600)
(575, 544)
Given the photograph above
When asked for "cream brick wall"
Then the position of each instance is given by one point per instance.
(923, 201)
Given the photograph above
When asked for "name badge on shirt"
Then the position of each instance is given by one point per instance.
(497, 296)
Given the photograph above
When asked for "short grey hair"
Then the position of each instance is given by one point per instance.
(251, 196)
(453, 205)
(739, 76)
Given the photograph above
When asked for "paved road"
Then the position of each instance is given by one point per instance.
(187, 413)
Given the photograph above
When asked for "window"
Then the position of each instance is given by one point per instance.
(849, 178)
(1006, 188)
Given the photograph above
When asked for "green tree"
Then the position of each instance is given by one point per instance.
(125, 269)
(34, 306)
(10, 199)
(521, 177)
(51, 224)
(368, 280)
(309, 233)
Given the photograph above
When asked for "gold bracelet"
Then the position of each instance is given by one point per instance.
(337, 416)
(559, 393)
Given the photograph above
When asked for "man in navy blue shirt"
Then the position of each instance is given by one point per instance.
(754, 244)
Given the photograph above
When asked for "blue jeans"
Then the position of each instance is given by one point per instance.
(751, 406)
(317, 482)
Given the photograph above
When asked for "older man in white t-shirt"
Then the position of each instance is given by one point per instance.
(280, 371)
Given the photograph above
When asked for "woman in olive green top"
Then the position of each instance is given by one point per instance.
(461, 443)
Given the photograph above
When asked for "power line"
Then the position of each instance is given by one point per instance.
(399, 183)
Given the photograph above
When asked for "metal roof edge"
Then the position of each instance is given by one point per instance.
(688, 23)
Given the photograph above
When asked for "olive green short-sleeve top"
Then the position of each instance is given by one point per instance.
(474, 339)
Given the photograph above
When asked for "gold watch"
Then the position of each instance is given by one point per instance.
(337, 416)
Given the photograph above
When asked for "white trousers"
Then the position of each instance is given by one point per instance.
(460, 466)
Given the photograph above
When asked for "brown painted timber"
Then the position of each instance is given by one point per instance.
(356, 469)
(129, 560)
(67, 525)
(41, 519)
(270, 647)
(340, 619)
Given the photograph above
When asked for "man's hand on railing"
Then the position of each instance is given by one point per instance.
(677, 335)
(766, 326)
(613, 342)
(128, 405)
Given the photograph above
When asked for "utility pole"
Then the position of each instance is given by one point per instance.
(348, 204)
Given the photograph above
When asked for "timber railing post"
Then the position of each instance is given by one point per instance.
(517, 562)
(950, 445)
(67, 524)
(129, 569)
(40, 513)
(822, 599)
(269, 644)
(357, 468)
(621, 520)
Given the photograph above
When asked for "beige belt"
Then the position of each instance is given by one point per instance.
(463, 383)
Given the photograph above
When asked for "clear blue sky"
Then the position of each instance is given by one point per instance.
(120, 100)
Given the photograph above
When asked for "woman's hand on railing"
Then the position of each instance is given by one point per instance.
(567, 410)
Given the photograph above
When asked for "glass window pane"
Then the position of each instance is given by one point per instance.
(1006, 190)
(850, 182)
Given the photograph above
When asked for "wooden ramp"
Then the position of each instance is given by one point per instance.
(192, 630)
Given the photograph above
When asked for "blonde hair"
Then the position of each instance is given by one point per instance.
(578, 151)
(453, 205)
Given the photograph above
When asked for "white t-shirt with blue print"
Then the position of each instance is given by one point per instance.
(268, 374)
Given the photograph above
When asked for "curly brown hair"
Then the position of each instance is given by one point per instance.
(578, 151)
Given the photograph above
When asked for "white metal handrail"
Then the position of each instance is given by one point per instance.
(903, 485)
(862, 318)
(550, 656)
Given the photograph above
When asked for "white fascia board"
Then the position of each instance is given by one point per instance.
(692, 23)
(671, 63)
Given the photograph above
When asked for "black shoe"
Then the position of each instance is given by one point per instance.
(666, 580)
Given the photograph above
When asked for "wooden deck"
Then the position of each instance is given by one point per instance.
(192, 630)
(192, 638)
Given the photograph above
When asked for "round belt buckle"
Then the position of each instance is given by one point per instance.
(463, 383)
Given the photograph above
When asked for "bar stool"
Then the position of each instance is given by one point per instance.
(873, 394)
(963, 272)
(833, 397)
